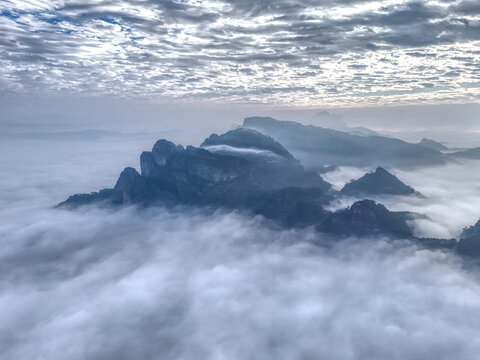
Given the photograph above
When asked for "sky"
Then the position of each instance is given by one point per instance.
(285, 53)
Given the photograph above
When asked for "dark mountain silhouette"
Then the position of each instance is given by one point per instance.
(471, 231)
(380, 182)
(317, 147)
(469, 243)
(368, 218)
(173, 174)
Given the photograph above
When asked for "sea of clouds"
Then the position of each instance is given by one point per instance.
(189, 284)
(450, 195)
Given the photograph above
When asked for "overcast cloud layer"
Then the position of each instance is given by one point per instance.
(151, 284)
(284, 52)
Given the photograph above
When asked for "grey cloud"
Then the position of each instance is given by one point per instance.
(60, 47)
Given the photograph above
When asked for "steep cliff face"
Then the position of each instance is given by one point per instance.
(251, 166)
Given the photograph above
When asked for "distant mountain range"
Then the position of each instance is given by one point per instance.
(317, 147)
(248, 171)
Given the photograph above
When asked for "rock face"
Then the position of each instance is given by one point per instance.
(317, 147)
(367, 218)
(469, 243)
(380, 182)
(471, 231)
(292, 207)
(172, 174)
(432, 144)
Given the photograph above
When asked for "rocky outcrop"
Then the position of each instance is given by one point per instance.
(172, 174)
(469, 243)
(292, 207)
(379, 182)
(367, 218)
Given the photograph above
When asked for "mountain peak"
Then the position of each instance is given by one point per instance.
(432, 144)
(367, 218)
(379, 182)
(245, 138)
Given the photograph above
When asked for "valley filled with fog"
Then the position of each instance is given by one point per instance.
(190, 283)
(451, 195)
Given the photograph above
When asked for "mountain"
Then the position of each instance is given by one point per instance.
(248, 171)
(316, 147)
(380, 182)
(367, 218)
(243, 138)
(471, 231)
(252, 165)
(473, 154)
(292, 207)
(432, 144)
(469, 243)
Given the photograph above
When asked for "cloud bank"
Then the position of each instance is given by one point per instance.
(291, 52)
(452, 195)
(131, 283)
(97, 284)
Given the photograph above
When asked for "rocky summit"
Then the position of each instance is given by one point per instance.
(251, 165)
(379, 182)
(368, 218)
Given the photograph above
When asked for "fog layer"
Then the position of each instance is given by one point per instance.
(451, 195)
(151, 284)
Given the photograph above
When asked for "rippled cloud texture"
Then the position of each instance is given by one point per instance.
(150, 284)
(291, 52)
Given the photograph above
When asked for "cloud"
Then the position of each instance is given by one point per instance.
(451, 191)
(150, 283)
(97, 284)
(243, 51)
